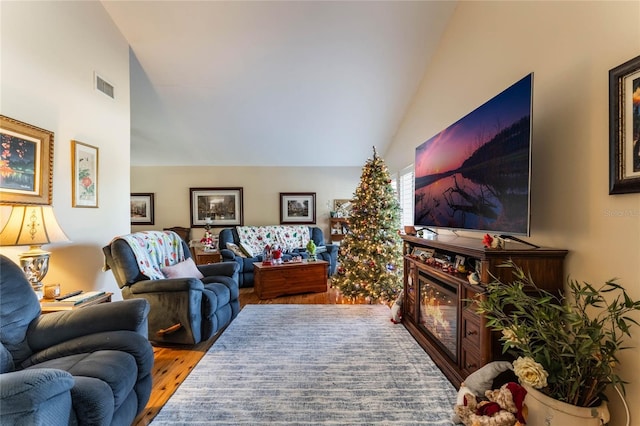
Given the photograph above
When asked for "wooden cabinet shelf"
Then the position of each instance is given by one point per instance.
(438, 308)
(338, 228)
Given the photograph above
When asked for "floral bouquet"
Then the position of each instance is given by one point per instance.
(565, 347)
(207, 240)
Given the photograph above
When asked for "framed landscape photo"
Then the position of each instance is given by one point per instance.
(624, 127)
(297, 208)
(84, 177)
(216, 207)
(141, 208)
(26, 163)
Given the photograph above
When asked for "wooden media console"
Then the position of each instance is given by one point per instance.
(437, 307)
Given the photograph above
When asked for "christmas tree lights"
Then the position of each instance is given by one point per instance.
(370, 255)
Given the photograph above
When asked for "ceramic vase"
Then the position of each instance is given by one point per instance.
(546, 411)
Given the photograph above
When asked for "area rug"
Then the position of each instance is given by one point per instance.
(313, 364)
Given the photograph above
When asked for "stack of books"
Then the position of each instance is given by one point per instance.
(73, 301)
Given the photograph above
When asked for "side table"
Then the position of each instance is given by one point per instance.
(204, 257)
(105, 298)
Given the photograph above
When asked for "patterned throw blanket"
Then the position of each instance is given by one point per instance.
(288, 237)
(154, 250)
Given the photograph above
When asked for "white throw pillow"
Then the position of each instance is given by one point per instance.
(185, 269)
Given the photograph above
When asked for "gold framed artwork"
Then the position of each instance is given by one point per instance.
(26, 163)
(84, 175)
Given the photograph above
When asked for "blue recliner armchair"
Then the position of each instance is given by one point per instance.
(90, 366)
(184, 310)
(327, 252)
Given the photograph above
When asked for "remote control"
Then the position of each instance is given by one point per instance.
(65, 296)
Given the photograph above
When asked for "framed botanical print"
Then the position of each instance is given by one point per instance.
(141, 207)
(26, 163)
(84, 177)
(297, 208)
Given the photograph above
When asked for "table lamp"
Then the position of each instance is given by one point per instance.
(32, 226)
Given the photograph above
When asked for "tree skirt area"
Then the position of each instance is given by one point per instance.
(313, 364)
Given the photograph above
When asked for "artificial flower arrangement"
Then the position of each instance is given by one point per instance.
(566, 347)
(207, 240)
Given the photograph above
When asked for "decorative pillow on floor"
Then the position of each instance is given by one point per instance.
(185, 269)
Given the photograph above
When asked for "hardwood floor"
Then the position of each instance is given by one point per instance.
(173, 364)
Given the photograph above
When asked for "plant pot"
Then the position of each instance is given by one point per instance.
(546, 411)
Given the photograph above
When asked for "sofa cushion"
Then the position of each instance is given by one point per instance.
(248, 250)
(6, 360)
(256, 238)
(184, 269)
(292, 237)
(236, 250)
(289, 237)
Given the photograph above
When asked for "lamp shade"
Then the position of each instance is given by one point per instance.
(31, 226)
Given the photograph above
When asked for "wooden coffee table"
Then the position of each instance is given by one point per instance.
(290, 278)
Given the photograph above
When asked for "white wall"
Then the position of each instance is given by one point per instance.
(50, 51)
(261, 188)
(570, 47)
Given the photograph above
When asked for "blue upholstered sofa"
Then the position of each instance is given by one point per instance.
(89, 366)
(328, 252)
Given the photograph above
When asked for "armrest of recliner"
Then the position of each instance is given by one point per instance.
(331, 248)
(166, 286)
(228, 255)
(38, 393)
(228, 269)
(58, 327)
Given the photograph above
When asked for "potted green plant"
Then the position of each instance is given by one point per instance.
(565, 346)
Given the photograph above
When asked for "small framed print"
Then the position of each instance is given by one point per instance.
(216, 207)
(26, 163)
(142, 209)
(624, 128)
(423, 253)
(84, 178)
(459, 261)
(297, 208)
(341, 204)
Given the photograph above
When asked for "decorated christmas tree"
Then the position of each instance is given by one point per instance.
(370, 255)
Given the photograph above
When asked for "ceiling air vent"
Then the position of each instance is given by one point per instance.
(104, 86)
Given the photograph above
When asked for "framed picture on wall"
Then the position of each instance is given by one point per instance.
(26, 163)
(84, 177)
(141, 207)
(297, 208)
(216, 207)
(624, 127)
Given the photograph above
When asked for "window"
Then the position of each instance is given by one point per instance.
(405, 192)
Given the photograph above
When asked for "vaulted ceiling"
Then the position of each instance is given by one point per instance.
(304, 83)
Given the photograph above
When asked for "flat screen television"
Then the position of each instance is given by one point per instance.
(476, 174)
